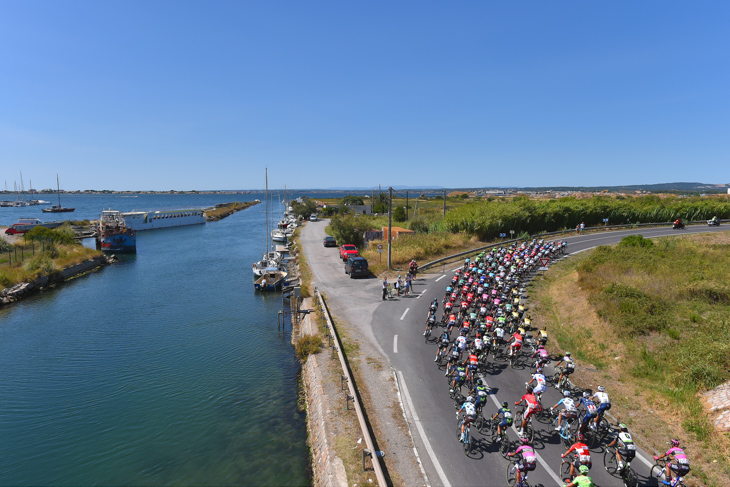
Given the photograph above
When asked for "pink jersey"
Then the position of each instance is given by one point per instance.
(528, 454)
(679, 455)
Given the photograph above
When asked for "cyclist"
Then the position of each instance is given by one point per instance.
(516, 344)
(478, 346)
(569, 413)
(454, 357)
(434, 306)
(532, 407)
(582, 480)
(527, 461)
(480, 393)
(459, 373)
(591, 411)
(430, 323)
(604, 404)
(625, 447)
(506, 419)
(681, 468)
(540, 383)
(449, 290)
(470, 413)
(451, 322)
(569, 366)
(542, 356)
(461, 340)
(582, 455)
(471, 363)
(443, 345)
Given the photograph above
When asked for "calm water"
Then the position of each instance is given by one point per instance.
(163, 369)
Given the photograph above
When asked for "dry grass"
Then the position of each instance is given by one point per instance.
(61, 257)
(647, 374)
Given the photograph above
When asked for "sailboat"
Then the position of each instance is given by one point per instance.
(59, 208)
(270, 260)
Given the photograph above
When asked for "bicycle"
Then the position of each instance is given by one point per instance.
(626, 473)
(567, 429)
(564, 468)
(528, 432)
(512, 475)
(464, 439)
(504, 440)
(658, 475)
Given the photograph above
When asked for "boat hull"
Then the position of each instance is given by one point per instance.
(120, 243)
(139, 220)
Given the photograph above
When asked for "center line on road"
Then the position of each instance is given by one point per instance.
(437, 280)
(456, 269)
(404, 314)
(395, 343)
(422, 293)
(542, 461)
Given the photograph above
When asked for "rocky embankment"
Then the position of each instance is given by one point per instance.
(226, 209)
(25, 289)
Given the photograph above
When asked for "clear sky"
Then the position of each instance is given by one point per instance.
(203, 95)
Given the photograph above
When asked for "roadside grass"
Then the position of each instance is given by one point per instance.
(653, 320)
(418, 246)
(305, 273)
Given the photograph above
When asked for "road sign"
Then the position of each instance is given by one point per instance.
(543, 269)
(380, 247)
(544, 262)
(502, 235)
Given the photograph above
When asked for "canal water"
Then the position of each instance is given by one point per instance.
(163, 369)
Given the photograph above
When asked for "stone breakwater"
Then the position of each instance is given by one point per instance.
(25, 289)
(327, 467)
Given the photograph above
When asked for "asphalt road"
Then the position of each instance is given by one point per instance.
(397, 325)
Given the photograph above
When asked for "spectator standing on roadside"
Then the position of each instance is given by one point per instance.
(385, 288)
(408, 284)
(397, 286)
(582, 226)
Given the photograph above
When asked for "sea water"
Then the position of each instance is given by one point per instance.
(163, 369)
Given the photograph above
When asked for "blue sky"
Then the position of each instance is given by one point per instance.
(203, 95)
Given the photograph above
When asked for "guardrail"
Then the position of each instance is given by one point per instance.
(548, 234)
(354, 396)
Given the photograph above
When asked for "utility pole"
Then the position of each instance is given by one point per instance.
(372, 200)
(444, 203)
(406, 204)
(390, 221)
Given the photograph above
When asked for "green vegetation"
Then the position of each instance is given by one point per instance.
(486, 219)
(42, 251)
(304, 209)
(224, 210)
(307, 345)
(352, 200)
(349, 229)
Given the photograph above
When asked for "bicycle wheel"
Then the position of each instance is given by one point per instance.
(467, 441)
(657, 474)
(504, 445)
(609, 461)
(603, 428)
(590, 438)
(565, 470)
(512, 473)
(529, 432)
(630, 479)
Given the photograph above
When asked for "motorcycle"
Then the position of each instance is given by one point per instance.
(713, 223)
(679, 226)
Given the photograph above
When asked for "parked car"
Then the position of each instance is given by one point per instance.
(357, 266)
(348, 250)
(313, 217)
(330, 241)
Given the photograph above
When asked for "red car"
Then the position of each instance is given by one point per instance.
(348, 250)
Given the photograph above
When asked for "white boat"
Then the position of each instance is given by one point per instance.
(279, 235)
(150, 220)
(268, 261)
(272, 280)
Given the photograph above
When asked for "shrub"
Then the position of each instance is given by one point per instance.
(349, 230)
(40, 263)
(636, 241)
(5, 246)
(399, 214)
(61, 235)
(419, 225)
(307, 345)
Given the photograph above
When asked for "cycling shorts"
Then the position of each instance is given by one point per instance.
(516, 346)
(539, 389)
(568, 371)
(459, 379)
(604, 406)
(527, 467)
(468, 418)
(570, 414)
(679, 469)
(472, 367)
(506, 422)
(577, 463)
(627, 455)
(588, 416)
(531, 410)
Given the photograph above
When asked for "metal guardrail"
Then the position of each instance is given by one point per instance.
(354, 396)
(548, 234)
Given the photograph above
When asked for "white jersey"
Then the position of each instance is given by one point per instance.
(569, 404)
(569, 363)
(469, 409)
(540, 378)
(478, 344)
(603, 397)
(461, 342)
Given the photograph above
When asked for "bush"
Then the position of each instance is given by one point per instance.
(349, 230)
(307, 345)
(61, 235)
(399, 214)
(419, 225)
(41, 264)
(5, 246)
(352, 200)
(636, 241)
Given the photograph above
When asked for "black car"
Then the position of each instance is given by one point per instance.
(357, 266)
(330, 242)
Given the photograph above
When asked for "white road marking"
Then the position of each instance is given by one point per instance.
(422, 433)
(404, 314)
(410, 433)
(437, 280)
(422, 293)
(395, 343)
(542, 461)
(456, 269)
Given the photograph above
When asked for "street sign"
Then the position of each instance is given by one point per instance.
(544, 262)
(380, 247)
(502, 235)
(543, 269)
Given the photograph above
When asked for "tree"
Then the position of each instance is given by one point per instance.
(352, 200)
(348, 229)
(399, 214)
(304, 209)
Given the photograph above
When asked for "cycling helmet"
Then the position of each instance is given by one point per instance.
(566, 393)
(586, 395)
(623, 427)
(480, 382)
(505, 404)
(675, 443)
(470, 399)
(398, 276)
(525, 440)
(601, 389)
(583, 469)
(541, 347)
(567, 354)
(579, 437)
(529, 389)
(538, 370)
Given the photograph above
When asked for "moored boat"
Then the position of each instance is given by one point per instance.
(57, 208)
(271, 280)
(150, 220)
(27, 224)
(114, 235)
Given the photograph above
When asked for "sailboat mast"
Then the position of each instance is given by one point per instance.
(58, 190)
(267, 212)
